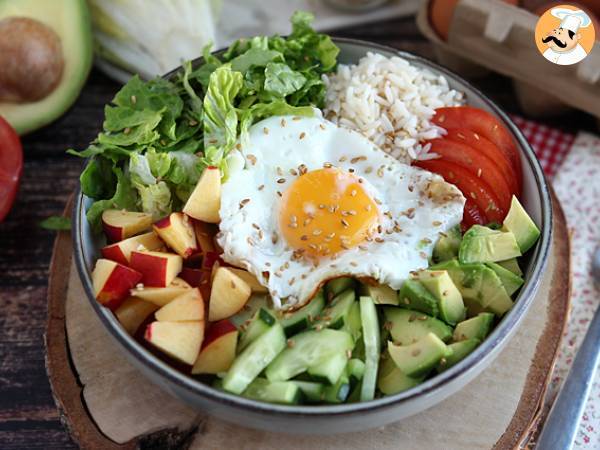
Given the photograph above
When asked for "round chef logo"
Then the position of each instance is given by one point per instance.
(565, 34)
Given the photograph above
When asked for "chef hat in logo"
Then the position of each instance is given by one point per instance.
(571, 19)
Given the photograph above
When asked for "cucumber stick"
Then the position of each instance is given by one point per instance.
(285, 392)
(371, 338)
(260, 322)
(254, 359)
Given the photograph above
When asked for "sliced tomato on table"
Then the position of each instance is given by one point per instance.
(11, 166)
(473, 188)
(482, 123)
(489, 149)
(475, 162)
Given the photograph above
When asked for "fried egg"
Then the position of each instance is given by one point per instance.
(306, 201)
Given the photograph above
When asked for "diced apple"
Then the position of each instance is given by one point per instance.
(228, 295)
(132, 313)
(205, 234)
(186, 307)
(120, 224)
(218, 348)
(177, 231)
(158, 269)
(179, 340)
(121, 251)
(250, 279)
(205, 201)
(112, 282)
(160, 296)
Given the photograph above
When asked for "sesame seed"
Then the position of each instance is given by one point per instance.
(290, 343)
(283, 122)
(369, 169)
(302, 169)
(353, 193)
(274, 239)
(251, 158)
(363, 247)
(133, 99)
(473, 196)
(379, 229)
(378, 201)
(140, 286)
(479, 172)
(416, 352)
(321, 126)
(265, 130)
(330, 236)
(255, 226)
(321, 206)
(379, 240)
(292, 280)
(317, 232)
(411, 188)
(296, 118)
(233, 286)
(423, 255)
(307, 221)
(277, 274)
(442, 119)
(302, 135)
(244, 202)
(293, 225)
(380, 172)
(342, 159)
(357, 159)
(443, 361)
(313, 246)
(476, 136)
(327, 165)
(344, 223)
(261, 187)
(304, 237)
(461, 136)
(260, 235)
(406, 301)
(293, 172)
(293, 218)
(351, 170)
(353, 264)
(280, 194)
(436, 223)
(127, 131)
(250, 241)
(422, 318)
(368, 207)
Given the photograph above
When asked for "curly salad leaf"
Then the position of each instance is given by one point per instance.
(159, 135)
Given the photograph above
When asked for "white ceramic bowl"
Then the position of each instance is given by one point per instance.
(356, 416)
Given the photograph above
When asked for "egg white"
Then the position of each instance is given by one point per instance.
(251, 197)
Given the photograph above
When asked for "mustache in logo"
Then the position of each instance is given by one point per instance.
(555, 40)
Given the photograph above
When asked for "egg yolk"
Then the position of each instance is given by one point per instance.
(326, 211)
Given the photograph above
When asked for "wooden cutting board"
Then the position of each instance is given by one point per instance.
(108, 404)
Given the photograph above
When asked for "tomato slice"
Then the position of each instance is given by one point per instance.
(489, 149)
(482, 123)
(11, 166)
(472, 215)
(476, 163)
(472, 187)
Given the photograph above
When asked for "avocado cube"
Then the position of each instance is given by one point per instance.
(520, 224)
(391, 380)
(447, 245)
(413, 295)
(460, 350)
(510, 281)
(476, 327)
(441, 286)
(407, 327)
(380, 293)
(419, 358)
(512, 265)
(481, 244)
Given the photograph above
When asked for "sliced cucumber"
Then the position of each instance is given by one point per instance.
(254, 359)
(330, 370)
(336, 315)
(419, 358)
(260, 323)
(308, 350)
(391, 380)
(338, 285)
(312, 392)
(355, 370)
(353, 325)
(407, 327)
(460, 350)
(285, 392)
(337, 393)
(380, 293)
(302, 319)
(255, 302)
(371, 338)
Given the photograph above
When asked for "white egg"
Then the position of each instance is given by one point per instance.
(265, 211)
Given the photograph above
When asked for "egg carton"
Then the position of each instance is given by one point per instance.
(492, 35)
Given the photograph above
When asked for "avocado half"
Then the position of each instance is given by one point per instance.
(70, 19)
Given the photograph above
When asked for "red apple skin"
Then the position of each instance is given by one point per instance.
(114, 253)
(192, 276)
(113, 234)
(153, 270)
(117, 286)
(216, 330)
(210, 258)
(163, 223)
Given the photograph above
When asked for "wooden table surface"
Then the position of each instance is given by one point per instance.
(28, 417)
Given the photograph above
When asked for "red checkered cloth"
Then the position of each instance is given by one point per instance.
(550, 144)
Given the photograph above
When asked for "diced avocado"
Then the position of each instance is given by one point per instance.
(253, 360)
(407, 327)
(447, 245)
(419, 358)
(476, 327)
(70, 20)
(391, 380)
(520, 224)
(308, 350)
(338, 285)
(460, 350)
(512, 265)
(441, 286)
(511, 282)
(285, 392)
(329, 370)
(336, 314)
(479, 285)
(413, 295)
(481, 244)
(372, 340)
(294, 322)
(260, 323)
(312, 392)
(380, 293)
(338, 392)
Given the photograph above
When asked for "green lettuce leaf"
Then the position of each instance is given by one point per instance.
(282, 81)
(155, 199)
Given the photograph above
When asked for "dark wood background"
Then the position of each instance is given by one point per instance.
(28, 417)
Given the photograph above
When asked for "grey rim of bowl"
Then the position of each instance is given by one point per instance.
(428, 387)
